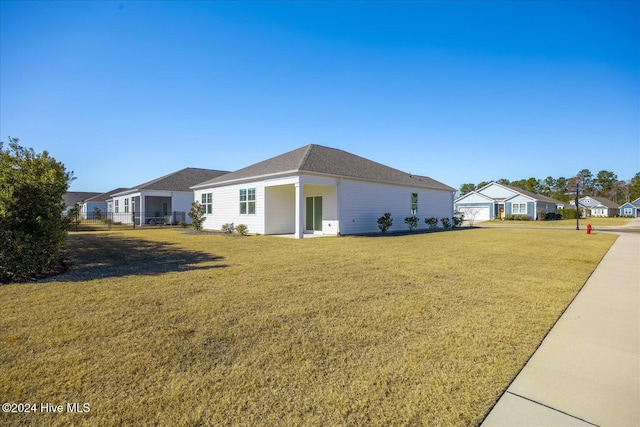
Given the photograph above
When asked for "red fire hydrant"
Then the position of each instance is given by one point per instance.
(588, 228)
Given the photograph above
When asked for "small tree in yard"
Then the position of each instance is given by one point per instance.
(411, 221)
(197, 215)
(73, 214)
(470, 214)
(385, 222)
(32, 230)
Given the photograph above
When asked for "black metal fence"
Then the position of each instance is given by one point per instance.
(133, 219)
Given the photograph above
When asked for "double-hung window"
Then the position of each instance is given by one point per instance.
(414, 203)
(518, 208)
(207, 204)
(117, 205)
(247, 201)
(126, 205)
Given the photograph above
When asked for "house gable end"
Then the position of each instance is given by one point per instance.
(520, 198)
(496, 191)
(474, 197)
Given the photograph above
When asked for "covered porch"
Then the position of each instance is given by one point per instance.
(302, 208)
(155, 209)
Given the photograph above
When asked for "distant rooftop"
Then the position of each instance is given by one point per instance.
(181, 180)
(70, 198)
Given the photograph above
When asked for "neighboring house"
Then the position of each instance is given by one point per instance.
(70, 198)
(165, 200)
(97, 205)
(499, 200)
(631, 209)
(320, 190)
(597, 206)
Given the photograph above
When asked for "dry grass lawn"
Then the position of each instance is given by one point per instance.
(596, 222)
(158, 327)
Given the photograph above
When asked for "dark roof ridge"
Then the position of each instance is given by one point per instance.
(304, 159)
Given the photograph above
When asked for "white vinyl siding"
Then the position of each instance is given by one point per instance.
(224, 205)
(362, 203)
(350, 206)
(280, 217)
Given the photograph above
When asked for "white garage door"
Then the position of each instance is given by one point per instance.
(481, 212)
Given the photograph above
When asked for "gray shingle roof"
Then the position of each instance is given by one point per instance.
(70, 198)
(105, 196)
(329, 161)
(605, 202)
(181, 180)
(534, 196)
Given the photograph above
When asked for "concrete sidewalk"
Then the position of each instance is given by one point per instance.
(587, 370)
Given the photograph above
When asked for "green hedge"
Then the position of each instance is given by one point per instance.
(32, 230)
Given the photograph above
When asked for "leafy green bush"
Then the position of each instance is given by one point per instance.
(197, 215)
(385, 222)
(431, 222)
(446, 222)
(517, 218)
(411, 221)
(550, 216)
(32, 230)
(457, 221)
(242, 229)
(569, 213)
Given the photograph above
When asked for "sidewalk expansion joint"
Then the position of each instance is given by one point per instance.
(549, 407)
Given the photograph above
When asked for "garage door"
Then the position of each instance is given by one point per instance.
(481, 212)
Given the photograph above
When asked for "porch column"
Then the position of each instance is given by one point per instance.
(299, 210)
(142, 208)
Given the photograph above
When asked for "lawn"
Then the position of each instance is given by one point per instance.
(596, 222)
(159, 327)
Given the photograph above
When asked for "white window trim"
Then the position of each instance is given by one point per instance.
(247, 202)
(206, 200)
(513, 211)
(414, 206)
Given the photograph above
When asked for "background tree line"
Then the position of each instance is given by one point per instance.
(604, 184)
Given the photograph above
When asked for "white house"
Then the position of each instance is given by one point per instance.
(320, 190)
(71, 198)
(96, 207)
(499, 200)
(597, 206)
(165, 200)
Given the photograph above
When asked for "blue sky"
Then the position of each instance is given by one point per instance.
(124, 92)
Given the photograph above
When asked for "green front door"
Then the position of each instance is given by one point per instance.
(314, 213)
